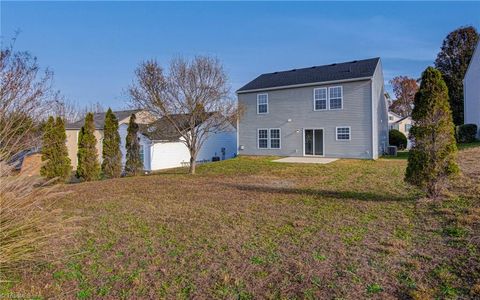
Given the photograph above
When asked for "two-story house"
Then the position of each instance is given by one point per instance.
(336, 110)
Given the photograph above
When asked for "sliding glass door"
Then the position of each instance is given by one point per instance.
(313, 142)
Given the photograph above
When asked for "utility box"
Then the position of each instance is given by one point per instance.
(392, 150)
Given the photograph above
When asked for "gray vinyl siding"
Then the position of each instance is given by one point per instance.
(380, 122)
(471, 90)
(296, 104)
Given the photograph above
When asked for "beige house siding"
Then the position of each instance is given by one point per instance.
(401, 125)
(72, 145)
(143, 117)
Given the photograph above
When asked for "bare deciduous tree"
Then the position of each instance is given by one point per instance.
(193, 97)
(24, 96)
(72, 111)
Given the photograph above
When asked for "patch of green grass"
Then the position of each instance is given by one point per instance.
(241, 165)
(403, 233)
(462, 146)
(318, 257)
(257, 260)
(406, 280)
(455, 231)
(403, 155)
(374, 288)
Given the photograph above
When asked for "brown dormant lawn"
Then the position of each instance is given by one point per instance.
(251, 228)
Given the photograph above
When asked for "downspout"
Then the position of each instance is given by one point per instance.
(373, 119)
(238, 131)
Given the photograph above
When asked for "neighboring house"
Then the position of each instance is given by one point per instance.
(393, 117)
(161, 146)
(336, 110)
(402, 124)
(99, 119)
(471, 90)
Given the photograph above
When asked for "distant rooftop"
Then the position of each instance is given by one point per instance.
(163, 130)
(316, 74)
(99, 119)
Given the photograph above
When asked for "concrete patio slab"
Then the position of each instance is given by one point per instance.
(306, 160)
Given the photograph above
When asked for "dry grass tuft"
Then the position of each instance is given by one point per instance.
(30, 228)
(422, 293)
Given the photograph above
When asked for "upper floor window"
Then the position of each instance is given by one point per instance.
(262, 104)
(343, 133)
(408, 127)
(335, 97)
(390, 118)
(320, 98)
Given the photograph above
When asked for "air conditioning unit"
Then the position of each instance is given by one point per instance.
(392, 150)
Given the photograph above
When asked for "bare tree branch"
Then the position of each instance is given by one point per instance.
(25, 94)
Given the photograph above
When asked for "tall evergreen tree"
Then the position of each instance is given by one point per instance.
(431, 160)
(48, 151)
(452, 61)
(88, 167)
(54, 151)
(134, 164)
(112, 157)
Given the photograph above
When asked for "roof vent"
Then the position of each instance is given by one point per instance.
(333, 64)
(293, 70)
(313, 67)
(354, 61)
(275, 72)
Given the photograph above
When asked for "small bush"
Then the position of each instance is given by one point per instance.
(466, 133)
(397, 138)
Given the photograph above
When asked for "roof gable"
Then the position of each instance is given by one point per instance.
(334, 72)
(475, 59)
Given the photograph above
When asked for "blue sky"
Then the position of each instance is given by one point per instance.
(94, 47)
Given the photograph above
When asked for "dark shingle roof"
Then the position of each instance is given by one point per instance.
(99, 119)
(160, 130)
(332, 72)
(163, 130)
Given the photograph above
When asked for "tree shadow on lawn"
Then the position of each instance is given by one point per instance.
(323, 193)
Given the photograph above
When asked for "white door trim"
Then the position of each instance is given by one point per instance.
(323, 142)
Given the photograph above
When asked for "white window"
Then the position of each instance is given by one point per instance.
(343, 133)
(390, 118)
(262, 104)
(320, 99)
(263, 138)
(336, 97)
(269, 138)
(275, 138)
(142, 154)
